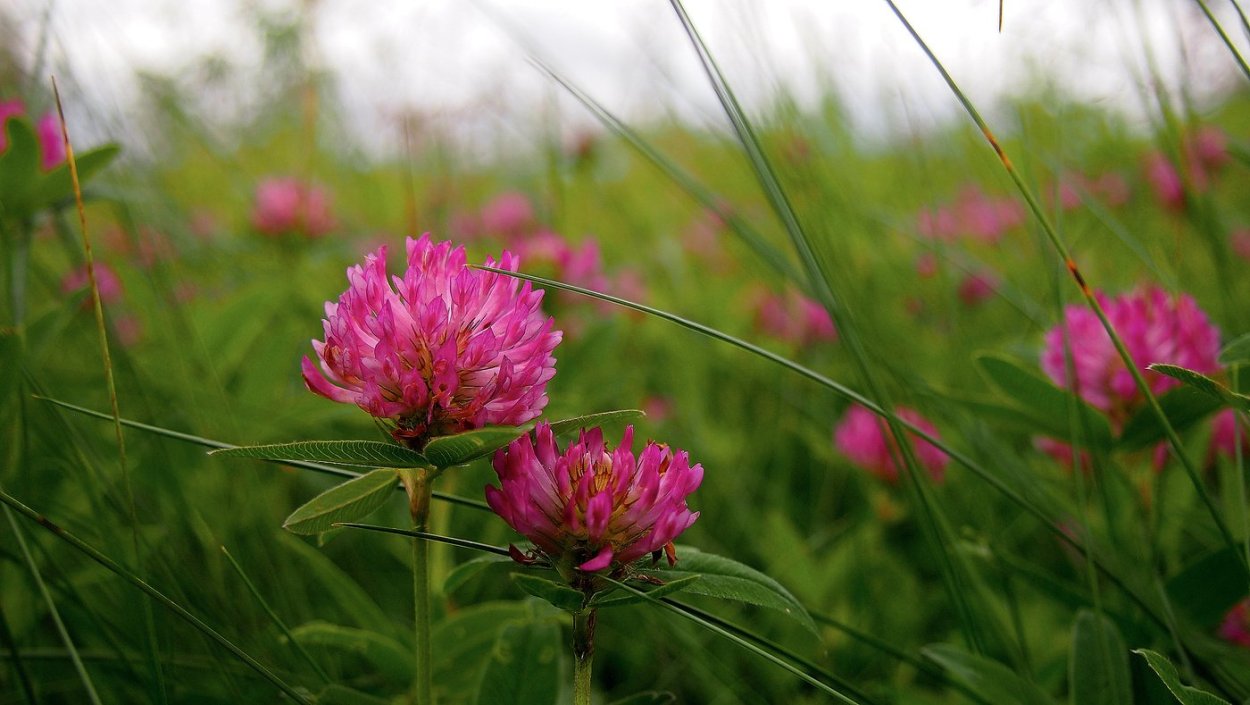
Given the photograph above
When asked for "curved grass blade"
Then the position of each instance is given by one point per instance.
(110, 384)
(367, 454)
(210, 443)
(264, 604)
(53, 612)
(744, 643)
(1228, 42)
(17, 657)
(577, 422)
(450, 540)
(117, 569)
(1087, 292)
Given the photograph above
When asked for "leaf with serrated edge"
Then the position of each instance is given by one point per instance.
(349, 501)
(560, 596)
(1236, 352)
(591, 420)
(367, 454)
(1204, 384)
(447, 451)
(728, 579)
(1187, 695)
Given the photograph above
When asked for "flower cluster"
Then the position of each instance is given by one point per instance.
(863, 438)
(793, 317)
(1155, 327)
(47, 129)
(442, 349)
(286, 206)
(593, 507)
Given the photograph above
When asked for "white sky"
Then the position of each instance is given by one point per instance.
(455, 58)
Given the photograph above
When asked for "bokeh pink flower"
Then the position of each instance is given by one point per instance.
(442, 349)
(864, 439)
(591, 506)
(793, 317)
(1155, 326)
(977, 288)
(1235, 627)
(508, 215)
(47, 131)
(288, 206)
(107, 282)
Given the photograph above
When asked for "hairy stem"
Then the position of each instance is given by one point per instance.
(583, 653)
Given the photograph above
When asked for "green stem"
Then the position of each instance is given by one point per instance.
(583, 653)
(418, 482)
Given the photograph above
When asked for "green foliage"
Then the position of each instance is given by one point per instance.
(461, 448)
(368, 454)
(352, 500)
(524, 666)
(1098, 664)
(1048, 408)
(1185, 694)
(989, 680)
(1206, 385)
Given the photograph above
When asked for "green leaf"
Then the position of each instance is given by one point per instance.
(1183, 406)
(651, 697)
(728, 579)
(590, 420)
(1208, 587)
(1098, 665)
(991, 680)
(1187, 695)
(465, 640)
(1204, 384)
(367, 454)
(336, 694)
(561, 596)
(1236, 353)
(446, 451)
(654, 591)
(471, 569)
(19, 166)
(58, 185)
(389, 657)
(524, 667)
(1049, 406)
(349, 501)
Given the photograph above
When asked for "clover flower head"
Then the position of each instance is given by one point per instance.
(290, 206)
(441, 350)
(863, 439)
(1155, 326)
(591, 506)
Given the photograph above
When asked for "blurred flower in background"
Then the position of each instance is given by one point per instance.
(864, 439)
(289, 206)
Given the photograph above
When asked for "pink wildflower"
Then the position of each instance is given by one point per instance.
(593, 507)
(1112, 188)
(441, 350)
(938, 223)
(1240, 241)
(1209, 147)
(1224, 435)
(51, 143)
(977, 288)
(1155, 327)
(107, 281)
(865, 440)
(926, 265)
(289, 206)
(1166, 182)
(1235, 628)
(793, 317)
(509, 214)
(8, 109)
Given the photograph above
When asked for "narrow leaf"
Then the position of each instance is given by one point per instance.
(466, 638)
(653, 591)
(1098, 664)
(446, 451)
(1049, 406)
(368, 454)
(524, 667)
(1187, 695)
(591, 420)
(728, 579)
(1204, 384)
(560, 596)
(1236, 352)
(989, 679)
(1183, 406)
(349, 501)
(386, 655)
(1208, 587)
(651, 697)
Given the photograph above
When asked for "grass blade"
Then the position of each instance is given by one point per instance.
(153, 593)
(449, 540)
(79, 668)
(210, 443)
(264, 604)
(1228, 42)
(1052, 235)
